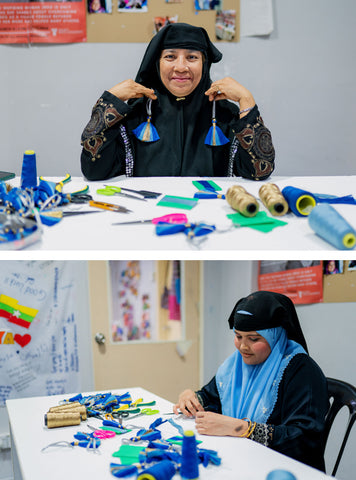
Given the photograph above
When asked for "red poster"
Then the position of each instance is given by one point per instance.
(301, 281)
(42, 22)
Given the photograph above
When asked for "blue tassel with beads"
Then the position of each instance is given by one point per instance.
(146, 132)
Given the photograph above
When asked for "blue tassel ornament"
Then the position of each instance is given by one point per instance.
(215, 135)
(146, 132)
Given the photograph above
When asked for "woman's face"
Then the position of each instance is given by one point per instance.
(253, 347)
(181, 70)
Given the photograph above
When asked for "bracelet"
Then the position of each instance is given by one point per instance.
(252, 429)
(246, 110)
(248, 428)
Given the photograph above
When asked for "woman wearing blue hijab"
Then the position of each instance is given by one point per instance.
(269, 390)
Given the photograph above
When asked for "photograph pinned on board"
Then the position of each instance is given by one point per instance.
(160, 22)
(225, 25)
(351, 265)
(207, 5)
(99, 6)
(331, 267)
(132, 5)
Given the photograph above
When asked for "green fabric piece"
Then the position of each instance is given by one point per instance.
(128, 454)
(213, 185)
(261, 222)
(178, 202)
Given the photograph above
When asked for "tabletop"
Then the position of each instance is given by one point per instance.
(100, 232)
(240, 457)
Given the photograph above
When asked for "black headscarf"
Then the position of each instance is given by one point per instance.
(261, 310)
(182, 124)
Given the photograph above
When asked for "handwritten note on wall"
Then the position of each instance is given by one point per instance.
(38, 329)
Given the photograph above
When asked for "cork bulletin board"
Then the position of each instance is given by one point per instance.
(341, 287)
(137, 26)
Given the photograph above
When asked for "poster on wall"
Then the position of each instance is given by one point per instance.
(42, 21)
(300, 280)
(38, 329)
(133, 300)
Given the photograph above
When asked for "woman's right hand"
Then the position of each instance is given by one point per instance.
(188, 404)
(130, 89)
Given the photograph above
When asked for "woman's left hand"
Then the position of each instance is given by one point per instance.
(229, 89)
(209, 423)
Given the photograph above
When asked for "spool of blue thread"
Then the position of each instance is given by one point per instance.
(332, 227)
(300, 201)
(280, 475)
(164, 470)
(29, 170)
(190, 463)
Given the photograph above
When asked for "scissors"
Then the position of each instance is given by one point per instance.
(145, 193)
(112, 190)
(170, 218)
(145, 411)
(109, 206)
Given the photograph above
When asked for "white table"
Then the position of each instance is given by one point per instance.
(241, 457)
(95, 232)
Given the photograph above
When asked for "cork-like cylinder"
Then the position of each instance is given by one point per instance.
(53, 420)
(273, 199)
(242, 201)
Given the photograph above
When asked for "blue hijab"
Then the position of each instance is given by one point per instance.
(251, 390)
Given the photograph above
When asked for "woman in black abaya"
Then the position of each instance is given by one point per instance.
(163, 123)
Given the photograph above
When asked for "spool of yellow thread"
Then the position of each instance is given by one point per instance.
(273, 199)
(242, 201)
(70, 407)
(54, 420)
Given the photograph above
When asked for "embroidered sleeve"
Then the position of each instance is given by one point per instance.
(263, 433)
(104, 139)
(256, 154)
(104, 115)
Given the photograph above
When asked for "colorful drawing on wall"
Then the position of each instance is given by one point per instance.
(225, 25)
(160, 22)
(99, 6)
(300, 280)
(133, 293)
(132, 5)
(42, 22)
(38, 329)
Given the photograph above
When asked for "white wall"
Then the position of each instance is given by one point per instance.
(302, 76)
(329, 328)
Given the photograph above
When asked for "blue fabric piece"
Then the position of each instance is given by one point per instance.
(251, 390)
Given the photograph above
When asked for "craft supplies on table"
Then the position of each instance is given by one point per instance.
(230, 233)
(33, 456)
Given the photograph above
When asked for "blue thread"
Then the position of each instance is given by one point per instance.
(299, 201)
(29, 170)
(164, 470)
(190, 463)
(332, 227)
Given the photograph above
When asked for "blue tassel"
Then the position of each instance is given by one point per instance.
(146, 132)
(122, 471)
(215, 136)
